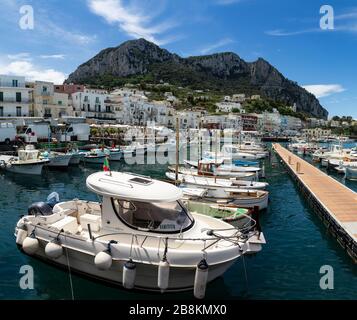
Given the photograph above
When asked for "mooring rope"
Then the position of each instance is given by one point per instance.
(69, 272)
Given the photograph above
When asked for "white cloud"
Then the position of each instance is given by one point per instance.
(52, 56)
(19, 56)
(283, 33)
(131, 19)
(324, 90)
(32, 72)
(216, 45)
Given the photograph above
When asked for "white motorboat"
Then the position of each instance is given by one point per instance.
(211, 182)
(243, 198)
(220, 167)
(351, 172)
(135, 148)
(76, 157)
(57, 159)
(140, 236)
(211, 171)
(113, 153)
(231, 153)
(27, 162)
(94, 156)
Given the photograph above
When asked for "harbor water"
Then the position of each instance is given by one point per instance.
(288, 267)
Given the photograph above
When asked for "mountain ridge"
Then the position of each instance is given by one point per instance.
(225, 72)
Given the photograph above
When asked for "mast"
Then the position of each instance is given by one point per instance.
(177, 149)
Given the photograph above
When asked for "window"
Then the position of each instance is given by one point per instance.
(44, 89)
(97, 100)
(45, 101)
(18, 111)
(15, 83)
(169, 217)
(1, 111)
(107, 109)
(1, 96)
(18, 96)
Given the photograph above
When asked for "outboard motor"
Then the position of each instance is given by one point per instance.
(39, 209)
(44, 208)
(52, 199)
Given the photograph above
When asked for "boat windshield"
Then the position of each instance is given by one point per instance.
(170, 217)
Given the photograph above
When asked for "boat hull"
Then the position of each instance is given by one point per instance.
(351, 173)
(30, 169)
(95, 160)
(181, 278)
(59, 161)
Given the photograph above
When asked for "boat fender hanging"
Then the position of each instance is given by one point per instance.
(129, 273)
(103, 260)
(163, 275)
(30, 245)
(201, 277)
(53, 250)
(21, 234)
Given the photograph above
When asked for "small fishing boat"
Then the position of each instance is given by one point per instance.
(351, 172)
(94, 156)
(211, 165)
(139, 236)
(27, 162)
(210, 182)
(56, 159)
(238, 217)
(211, 171)
(243, 198)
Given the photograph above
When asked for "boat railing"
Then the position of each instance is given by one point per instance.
(240, 236)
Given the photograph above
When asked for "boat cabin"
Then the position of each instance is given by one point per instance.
(140, 203)
(28, 154)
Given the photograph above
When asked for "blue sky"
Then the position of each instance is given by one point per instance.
(286, 33)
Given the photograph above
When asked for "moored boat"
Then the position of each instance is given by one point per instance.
(140, 236)
(27, 162)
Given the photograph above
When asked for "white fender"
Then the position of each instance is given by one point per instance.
(30, 245)
(129, 273)
(163, 275)
(20, 237)
(103, 260)
(201, 277)
(53, 250)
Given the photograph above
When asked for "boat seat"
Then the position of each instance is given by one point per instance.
(93, 220)
(50, 219)
(68, 224)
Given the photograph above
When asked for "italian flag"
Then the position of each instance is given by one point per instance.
(106, 164)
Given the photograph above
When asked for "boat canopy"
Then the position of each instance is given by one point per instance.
(121, 185)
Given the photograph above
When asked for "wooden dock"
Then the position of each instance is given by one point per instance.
(335, 204)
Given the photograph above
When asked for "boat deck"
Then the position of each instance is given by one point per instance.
(336, 200)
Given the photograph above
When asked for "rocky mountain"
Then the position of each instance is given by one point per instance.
(225, 72)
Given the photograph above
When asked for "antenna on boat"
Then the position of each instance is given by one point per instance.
(177, 149)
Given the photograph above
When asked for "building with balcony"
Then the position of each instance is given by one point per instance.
(93, 103)
(16, 98)
(48, 103)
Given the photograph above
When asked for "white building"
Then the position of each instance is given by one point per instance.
(15, 98)
(189, 119)
(231, 121)
(93, 103)
(229, 106)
